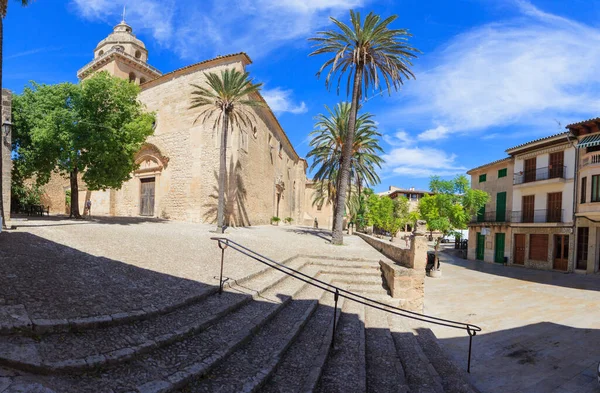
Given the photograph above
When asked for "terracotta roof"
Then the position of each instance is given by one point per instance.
(167, 75)
(489, 164)
(539, 140)
(568, 126)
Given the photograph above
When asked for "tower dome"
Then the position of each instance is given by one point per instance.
(122, 39)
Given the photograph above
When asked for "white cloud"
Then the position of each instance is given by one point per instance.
(280, 101)
(201, 29)
(433, 134)
(523, 72)
(400, 138)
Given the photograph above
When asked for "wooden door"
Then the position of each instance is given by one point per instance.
(147, 197)
(480, 250)
(501, 207)
(556, 167)
(561, 252)
(528, 206)
(530, 166)
(554, 207)
(519, 254)
(499, 251)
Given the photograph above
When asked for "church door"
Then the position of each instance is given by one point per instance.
(147, 197)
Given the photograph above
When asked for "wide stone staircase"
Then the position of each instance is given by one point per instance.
(269, 332)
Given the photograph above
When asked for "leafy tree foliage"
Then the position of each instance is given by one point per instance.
(451, 207)
(94, 128)
(386, 213)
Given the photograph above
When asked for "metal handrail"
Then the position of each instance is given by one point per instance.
(224, 243)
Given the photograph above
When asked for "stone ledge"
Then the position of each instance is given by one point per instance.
(405, 284)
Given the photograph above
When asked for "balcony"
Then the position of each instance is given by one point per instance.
(538, 216)
(551, 172)
(590, 159)
(492, 218)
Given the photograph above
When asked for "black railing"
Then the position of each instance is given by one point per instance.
(499, 216)
(224, 243)
(538, 216)
(551, 172)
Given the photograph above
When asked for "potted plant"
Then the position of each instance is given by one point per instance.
(275, 220)
(288, 220)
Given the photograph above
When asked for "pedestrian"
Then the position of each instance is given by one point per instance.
(88, 207)
(316, 223)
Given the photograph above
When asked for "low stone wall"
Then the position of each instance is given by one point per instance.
(413, 258)
(405, 284)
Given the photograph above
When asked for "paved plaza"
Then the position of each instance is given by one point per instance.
(541, 330)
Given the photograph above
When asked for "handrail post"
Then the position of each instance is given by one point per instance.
(471, 334)
(335, 299)
(222, 246)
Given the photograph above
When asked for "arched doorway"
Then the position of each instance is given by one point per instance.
(151, 164)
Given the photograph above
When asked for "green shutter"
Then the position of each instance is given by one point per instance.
(499, 253)
(501, 207)
(502, 172)
(480, 246)
(481, 214)
(482, 178)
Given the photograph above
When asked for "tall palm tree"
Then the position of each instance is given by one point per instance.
(3, 9)
(329, 138)
(368, 52)
(226, 100)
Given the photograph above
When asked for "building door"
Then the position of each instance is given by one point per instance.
(556, 166)
(499, 252)
(147, 197)
(528, 206)
(501, 207)
(529, 174)
(479, 251)
(554, 207)
(519, 254)
(582, 248)
(561, 252)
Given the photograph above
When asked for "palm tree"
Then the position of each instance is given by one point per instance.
(3, 9)
(226, 100)
(329, 137)
(369, 52)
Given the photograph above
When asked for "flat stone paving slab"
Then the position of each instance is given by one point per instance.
(541, 330)
(56, 269)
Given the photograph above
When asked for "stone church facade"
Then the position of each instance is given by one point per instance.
(178, 166)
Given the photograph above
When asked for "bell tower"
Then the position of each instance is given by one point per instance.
(122, 55)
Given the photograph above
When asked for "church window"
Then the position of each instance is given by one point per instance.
(244, 141)
(100, 53)
(280, 150)
(118, 47)
(131, 77)
(138, 54)
(142, 80)
(254, 132)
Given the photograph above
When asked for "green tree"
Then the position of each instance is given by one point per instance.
(225, 100)
(94, 129)
(370, 52)
(327, 142)
(387, 214)
(3, 10)
(451, 206)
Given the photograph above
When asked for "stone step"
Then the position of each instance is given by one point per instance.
(345, 369)
(73, 351)
(420, 373)
(172, 366)
(454, 378)
(385, 373)
(247, 369)
(301, 366)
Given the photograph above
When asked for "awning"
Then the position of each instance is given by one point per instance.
(590, 140)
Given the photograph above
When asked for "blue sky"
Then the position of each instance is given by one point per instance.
(493, 74)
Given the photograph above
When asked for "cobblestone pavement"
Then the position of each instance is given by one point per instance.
(541, 330)
(60, 269)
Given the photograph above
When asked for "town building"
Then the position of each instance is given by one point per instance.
(5, 136)
(413, 196)
(490, 235)
(178, 166)
(587, 197)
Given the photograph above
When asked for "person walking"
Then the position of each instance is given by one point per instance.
(88, 207)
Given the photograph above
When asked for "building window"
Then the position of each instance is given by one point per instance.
(131, 77)
(502, 172)
(583, 189)
(592, 149)
(319, 207)
(582, 247)
(482, 178)
(100, 53)
(244, 141)
(138, 54)
(142, 80)
(538, 247)
(254, 132)
(595, 188)
(280, 150)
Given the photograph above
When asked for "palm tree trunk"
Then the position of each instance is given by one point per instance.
(222, 175)
(74, 194)
(1, 121)
(338, 236)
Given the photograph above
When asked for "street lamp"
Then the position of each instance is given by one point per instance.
(6, 128)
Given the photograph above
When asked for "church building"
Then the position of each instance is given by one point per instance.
(179, 164)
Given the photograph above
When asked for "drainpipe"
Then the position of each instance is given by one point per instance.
(575, 199)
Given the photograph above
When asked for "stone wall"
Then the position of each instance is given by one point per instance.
(405, 284)
(413, 258)
(6, 152)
